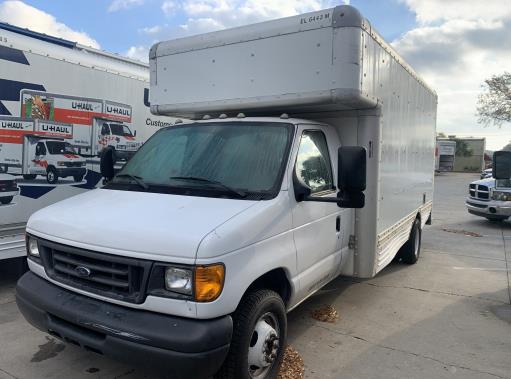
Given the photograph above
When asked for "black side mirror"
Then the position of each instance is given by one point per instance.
(502, 165)
(351, 176)
(107, 162)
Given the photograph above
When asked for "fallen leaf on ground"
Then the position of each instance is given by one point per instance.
(325, 314)
(292, 365)
(465, 232)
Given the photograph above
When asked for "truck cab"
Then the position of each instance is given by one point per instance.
(52, 158)
(118, 136)
(491, 197)
(8, 188)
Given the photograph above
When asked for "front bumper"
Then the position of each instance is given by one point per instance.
(10, 192)
(71, 171)
(184, 348)
(491, 208)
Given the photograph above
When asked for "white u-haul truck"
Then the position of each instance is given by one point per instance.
(39, 147)
(102, 97)
(312, 155)
(96, 123)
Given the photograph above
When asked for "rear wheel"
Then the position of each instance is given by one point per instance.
(259, 337)
(411, 250)
(3, 168)
(78, 178)
(6, 200)
(29, 176)
(51, 175)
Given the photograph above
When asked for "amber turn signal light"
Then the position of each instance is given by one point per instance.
(209, 282)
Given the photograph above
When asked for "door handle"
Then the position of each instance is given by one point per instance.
(338, 223)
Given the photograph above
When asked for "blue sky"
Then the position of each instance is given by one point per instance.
(453, 44)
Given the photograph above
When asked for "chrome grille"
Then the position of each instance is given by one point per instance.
(479, 191)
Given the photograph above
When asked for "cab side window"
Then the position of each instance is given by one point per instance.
(104, 130)
(313, 162)
(40, 149)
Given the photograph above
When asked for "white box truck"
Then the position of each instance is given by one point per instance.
(38, 147)
(312, 156)
(101, 97)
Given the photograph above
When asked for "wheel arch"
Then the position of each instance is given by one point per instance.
(277, 280)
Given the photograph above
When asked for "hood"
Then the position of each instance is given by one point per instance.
(137, 224)
(489, 182)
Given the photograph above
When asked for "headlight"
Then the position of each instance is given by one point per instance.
(179, 280)
(501, 196)
(195, 283)
(33, 248)
(61, 163)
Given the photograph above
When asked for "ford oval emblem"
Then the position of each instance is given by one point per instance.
(82, 271)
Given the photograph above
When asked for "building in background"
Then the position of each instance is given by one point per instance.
(469, 153)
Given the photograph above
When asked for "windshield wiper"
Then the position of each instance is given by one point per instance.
(136, 179)
(239, 193)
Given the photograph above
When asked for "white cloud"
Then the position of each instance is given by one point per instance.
(209, 15)
(152, 29)
(459, 44)
(169, 7)
(117, 5)
(20, 14)
(140, 53)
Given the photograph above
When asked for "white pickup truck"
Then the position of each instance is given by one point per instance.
(311, 155)
(491, 197)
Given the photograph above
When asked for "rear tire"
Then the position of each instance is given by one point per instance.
(259, 333)
(78, 178)
(29, 176)
(411, 250)
(6, 200)
(51, 175)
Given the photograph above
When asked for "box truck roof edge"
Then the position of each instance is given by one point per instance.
(343, 16)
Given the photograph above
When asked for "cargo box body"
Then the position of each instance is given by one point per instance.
(329, 66)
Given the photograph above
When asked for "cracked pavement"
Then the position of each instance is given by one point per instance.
(449, 316)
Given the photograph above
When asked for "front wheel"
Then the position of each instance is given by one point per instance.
(411, 250)
(259, 337)
(51, 175)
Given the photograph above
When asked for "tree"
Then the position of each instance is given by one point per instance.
(494, 104)
(507, 147)
(441, 135)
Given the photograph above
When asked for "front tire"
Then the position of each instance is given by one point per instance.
(51, 175)
(259, 337)
(411, 250)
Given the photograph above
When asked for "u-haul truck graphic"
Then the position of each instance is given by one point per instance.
(96, 123)
(39, 147)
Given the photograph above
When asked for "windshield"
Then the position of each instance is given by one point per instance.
(242, 156)
(58, 147)
(120, 130)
